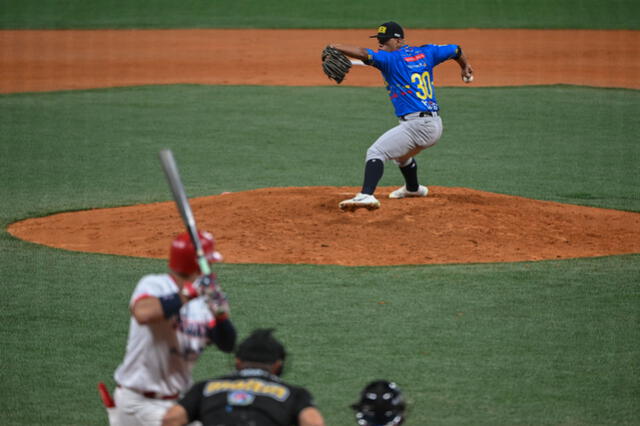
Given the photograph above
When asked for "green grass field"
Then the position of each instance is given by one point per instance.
(532, 343)
(611, 14)
(535, 343)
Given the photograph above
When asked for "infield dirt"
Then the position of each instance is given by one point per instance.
(57, 60)
(304, 225)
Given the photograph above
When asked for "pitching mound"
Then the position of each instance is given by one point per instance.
(304, 225)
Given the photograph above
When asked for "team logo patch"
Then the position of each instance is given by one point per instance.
(382, 29)
(241, 398)
(414, 58)
(251, 386)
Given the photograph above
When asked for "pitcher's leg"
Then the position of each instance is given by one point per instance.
(409, 170)
(388, 146)
(393, 143)
(373, 171)
(425, 132)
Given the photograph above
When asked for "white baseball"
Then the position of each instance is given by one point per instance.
(468, 79)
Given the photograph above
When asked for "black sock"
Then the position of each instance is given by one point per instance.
(410, 173)
(373, 171)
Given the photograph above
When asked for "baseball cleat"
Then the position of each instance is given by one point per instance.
(366, 201)
(403, 193)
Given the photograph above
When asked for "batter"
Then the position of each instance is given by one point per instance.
(408, 75)
(171, 324)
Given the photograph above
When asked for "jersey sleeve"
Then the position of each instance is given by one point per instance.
(379, 59)
(222, 334)
(191, 401)
(441, 52)
(148, 286)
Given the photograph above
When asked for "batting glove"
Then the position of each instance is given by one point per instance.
(203, 285)
(218, 303)
(191, 290)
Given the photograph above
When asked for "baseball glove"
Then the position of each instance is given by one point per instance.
(335, 64)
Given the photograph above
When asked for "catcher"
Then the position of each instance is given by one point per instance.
(253, 395)
(408, 74)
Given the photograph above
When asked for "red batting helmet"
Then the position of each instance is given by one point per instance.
(182, 257)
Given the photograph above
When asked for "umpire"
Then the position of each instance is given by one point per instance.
(253, 395)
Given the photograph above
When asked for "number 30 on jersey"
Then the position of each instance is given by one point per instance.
(423, 82)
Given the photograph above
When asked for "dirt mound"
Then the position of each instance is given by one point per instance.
(304, 225)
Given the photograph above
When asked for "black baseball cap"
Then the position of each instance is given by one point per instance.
(389, 30)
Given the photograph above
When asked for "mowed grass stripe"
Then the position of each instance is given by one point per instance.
(583, 14)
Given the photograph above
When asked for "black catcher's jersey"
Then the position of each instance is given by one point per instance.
(249, 397)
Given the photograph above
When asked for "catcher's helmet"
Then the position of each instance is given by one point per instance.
(381, 404)
(182, 256)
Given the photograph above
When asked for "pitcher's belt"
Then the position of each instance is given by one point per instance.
(421, 114)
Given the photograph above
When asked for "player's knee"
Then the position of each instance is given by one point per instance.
(403, 163)
(375, 154)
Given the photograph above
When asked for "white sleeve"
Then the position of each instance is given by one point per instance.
(151, 286)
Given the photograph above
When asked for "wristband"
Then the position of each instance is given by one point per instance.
(171, 304)
(222, 316)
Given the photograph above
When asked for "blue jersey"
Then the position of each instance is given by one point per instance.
(408, 74)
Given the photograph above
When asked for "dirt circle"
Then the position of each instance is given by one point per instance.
(303, 225)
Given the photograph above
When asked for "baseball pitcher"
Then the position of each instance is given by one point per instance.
(408, 75)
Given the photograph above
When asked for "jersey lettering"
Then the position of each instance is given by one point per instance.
(255, 386)
(193, 328)
(414, 58)
(423, 81)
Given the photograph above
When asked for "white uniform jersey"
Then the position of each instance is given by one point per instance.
(161, 356)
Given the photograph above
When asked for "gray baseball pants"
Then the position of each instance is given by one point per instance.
(407, 139)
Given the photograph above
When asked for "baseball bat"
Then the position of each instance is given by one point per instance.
(182, 202)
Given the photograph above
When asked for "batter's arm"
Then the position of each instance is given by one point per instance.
(352, 51)
(223, 335)
(466, 70)
(151, 309)
(147, 310)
